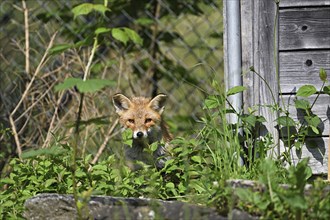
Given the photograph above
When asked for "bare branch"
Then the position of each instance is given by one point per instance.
(27, 37)
(26, 92)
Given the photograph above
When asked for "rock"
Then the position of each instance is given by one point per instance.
(62, 207)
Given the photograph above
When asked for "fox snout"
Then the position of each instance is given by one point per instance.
(140, 134)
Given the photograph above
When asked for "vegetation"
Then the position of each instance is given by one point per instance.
(200, 166)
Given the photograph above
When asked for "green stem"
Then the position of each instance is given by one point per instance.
(318, 94)
(75, 154)
(76, 135)
(268, 86)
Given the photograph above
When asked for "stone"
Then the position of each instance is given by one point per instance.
(62, 207)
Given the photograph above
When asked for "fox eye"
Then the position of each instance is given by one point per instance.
(148, 120)
(131, 121)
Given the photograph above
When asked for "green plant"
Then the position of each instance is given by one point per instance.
(289, 201)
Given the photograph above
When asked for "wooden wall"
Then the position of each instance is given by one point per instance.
(304, 48)
(295, 44)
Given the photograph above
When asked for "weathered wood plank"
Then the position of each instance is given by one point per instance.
(316, 150)
(258, 51)
(298, 68)
(321, 108)
(247, 53)
(304, 28)
(296, 3)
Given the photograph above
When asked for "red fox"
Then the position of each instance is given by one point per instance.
(144, 117)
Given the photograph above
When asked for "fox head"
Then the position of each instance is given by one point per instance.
(141, 115)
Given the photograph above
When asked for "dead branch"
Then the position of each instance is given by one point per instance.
(27, 37)
(25, 93)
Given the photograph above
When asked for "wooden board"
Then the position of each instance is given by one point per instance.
(304, 28)
(316, 149)
(298, 68)
(321, 108)
(257, 22)
(300, 3)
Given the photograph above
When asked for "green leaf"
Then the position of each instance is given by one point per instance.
(196, 159)
(102, 30)
(249, 119)
(7, 181)
(302, 104)
(170, 185)
(314, 129)
(49, 182)
(56, 49)
(86, 8)
(326, 89)
(67, 84)
(127, 135)
(285, 121)
(211, 102)
(133, 36)
(55, 151)
(90, 85)
(93, 85)
(313, 120)
(306, 90)
(144, 21)
(261, 119)
(235, 90)
(153, 146)
(96, 121)
(244, 194)
(120, 35)
(323, 75)
(8, 203)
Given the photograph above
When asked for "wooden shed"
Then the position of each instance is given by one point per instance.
(287, 42)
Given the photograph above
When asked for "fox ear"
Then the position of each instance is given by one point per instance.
(158, 103)
(121, 102)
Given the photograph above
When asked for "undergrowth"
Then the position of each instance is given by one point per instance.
(200, 167)
(197, 173)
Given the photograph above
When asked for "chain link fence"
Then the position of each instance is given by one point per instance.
(181, 54)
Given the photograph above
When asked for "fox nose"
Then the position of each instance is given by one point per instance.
(139, 134)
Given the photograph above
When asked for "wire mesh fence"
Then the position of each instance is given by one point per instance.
(181, 54)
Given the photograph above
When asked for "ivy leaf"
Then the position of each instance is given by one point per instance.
(323, 75)
(235, 90)
(86, 8)
(120, 35)
(306, 90)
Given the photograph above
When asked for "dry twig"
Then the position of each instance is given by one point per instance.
(26, 92)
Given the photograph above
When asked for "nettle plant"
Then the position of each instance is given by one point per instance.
(294, 133)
